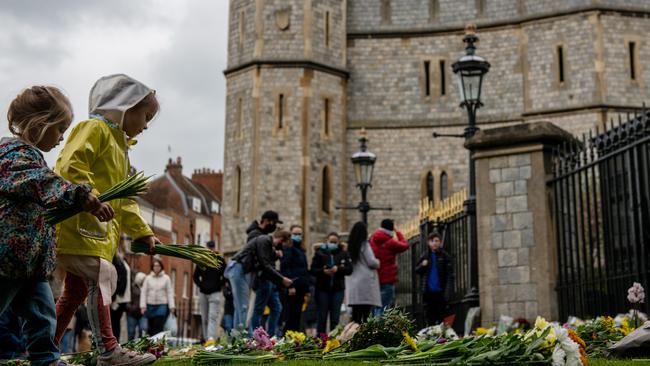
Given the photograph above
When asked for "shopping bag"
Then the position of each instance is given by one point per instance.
(171, 325)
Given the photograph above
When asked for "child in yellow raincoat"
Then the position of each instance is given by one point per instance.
(97, 153)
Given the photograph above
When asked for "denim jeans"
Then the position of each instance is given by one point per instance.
(328, 303)
(132, 323)
(12, 340)
(240, 292)
(226, 322)
(33, 302)
(67, 341)
(266, 294)
(156, 317)
(387, 298)
(209, 305)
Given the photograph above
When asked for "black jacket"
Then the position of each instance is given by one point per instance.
(209, 280)
(259, 256)
(293, 265)
(247, 256)
(253, 231)
(445, 269)
(341, 259)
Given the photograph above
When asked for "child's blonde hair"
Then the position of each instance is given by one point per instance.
(36, 108)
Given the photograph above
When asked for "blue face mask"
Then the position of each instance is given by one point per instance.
(296, 238)
(329, 246)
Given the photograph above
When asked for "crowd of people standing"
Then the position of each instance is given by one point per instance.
(361, 273)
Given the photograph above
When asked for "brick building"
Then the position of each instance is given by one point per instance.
(182, 210)
(303, 77)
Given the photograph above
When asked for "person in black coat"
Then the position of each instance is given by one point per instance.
(267, 250)
(293, 265)
(330, 264)
(209, 282)
(436, 267)
(245, 262)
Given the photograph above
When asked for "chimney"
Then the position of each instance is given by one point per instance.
(211, 179)
(174, 168)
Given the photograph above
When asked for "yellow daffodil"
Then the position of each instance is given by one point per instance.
(608, 322)
(625, 326)
(410, 341)
(550, 339)
(481, 331)
(298, 337)
(331, 344)
(541, 323)
(209, 342)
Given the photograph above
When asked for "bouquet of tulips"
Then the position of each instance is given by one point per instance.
(132, 186)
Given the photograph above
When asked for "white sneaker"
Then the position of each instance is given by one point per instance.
(124, 357)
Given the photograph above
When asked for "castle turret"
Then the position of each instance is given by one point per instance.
(285, 118)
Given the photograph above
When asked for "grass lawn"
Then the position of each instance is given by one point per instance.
(632, 362)
(592, 362)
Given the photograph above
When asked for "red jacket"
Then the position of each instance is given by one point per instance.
(386, 249)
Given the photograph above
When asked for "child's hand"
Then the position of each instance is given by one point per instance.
(150, 241)
(104, 212)
(91, 203)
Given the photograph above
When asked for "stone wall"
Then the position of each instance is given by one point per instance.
(620, 88)
(275, 160)
(366, 15)
(388, 83)
(516, 247)
(511, 228)
(258, 31)
(238, 153)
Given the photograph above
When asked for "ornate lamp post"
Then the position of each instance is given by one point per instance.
(364, 165)
(470, 70)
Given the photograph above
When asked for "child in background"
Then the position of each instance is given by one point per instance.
(435, 265)
(38, 117)
(97, 153)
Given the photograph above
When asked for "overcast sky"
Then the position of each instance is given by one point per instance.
(177, 47)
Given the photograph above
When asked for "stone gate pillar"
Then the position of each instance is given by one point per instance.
(516, 242)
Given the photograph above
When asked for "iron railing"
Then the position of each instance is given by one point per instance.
(600, 190)
(449, 219)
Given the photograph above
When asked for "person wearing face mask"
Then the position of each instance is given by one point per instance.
(330, 265)
(244, 263)
(293, 264)
(386, 244)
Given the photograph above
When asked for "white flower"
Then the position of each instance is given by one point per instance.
(558, 356)
(636, 294)
(570, 349)
(451, 334)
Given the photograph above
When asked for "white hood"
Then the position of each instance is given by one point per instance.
(113, 95)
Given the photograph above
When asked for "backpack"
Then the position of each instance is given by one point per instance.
(120, 289)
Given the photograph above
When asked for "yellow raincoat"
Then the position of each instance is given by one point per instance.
(96, 152)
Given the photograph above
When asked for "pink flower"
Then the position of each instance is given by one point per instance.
(636, 294)
(262, 339)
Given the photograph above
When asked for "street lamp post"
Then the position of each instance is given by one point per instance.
(364, 165)
(470, 69)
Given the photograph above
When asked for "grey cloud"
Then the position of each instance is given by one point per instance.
(186, 68)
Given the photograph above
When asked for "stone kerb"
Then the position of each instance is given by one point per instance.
(516, 246)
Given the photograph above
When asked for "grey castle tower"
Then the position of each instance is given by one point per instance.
(285, 119)
(305, 76)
